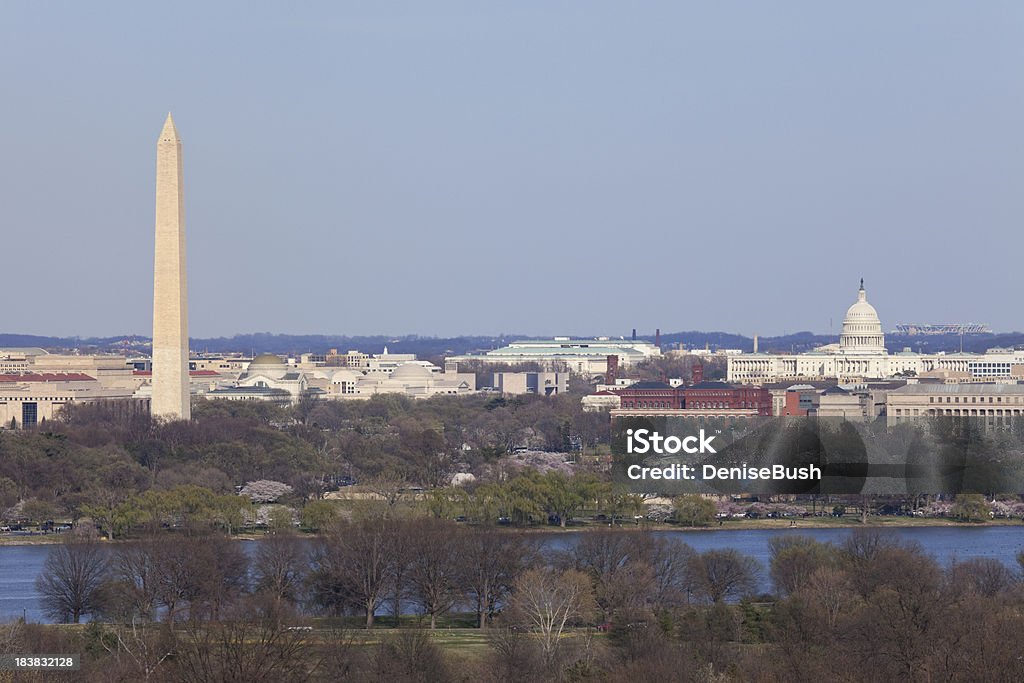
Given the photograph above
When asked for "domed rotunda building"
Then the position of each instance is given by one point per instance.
(861, 355)
(862, 329)
(266, 364)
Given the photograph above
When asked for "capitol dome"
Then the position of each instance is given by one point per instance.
(862, 329)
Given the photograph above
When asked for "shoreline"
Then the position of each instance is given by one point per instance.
(784, 524)
(745, 525)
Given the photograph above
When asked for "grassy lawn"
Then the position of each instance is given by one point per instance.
(457, 637)
(463, 643)
(36, 539)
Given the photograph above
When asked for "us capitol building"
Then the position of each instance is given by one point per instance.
(861, 355)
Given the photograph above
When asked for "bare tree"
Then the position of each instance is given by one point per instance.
(140, 650)
(985, 576)
(405, 549)
(616, 562)
(435, 565)
(670, 559)
(490, 564)
(390, 487)
(204, 574)
(343, 656)
(353, 566)
(723, 574)
(794, 559)
(905, 613)
(72, 579)
(279, 570)
(862, 546)
(11, 637)
(830, 589)
(409, 656)
(244, 648)
(548, 602)
(513, 657)
(134, 585)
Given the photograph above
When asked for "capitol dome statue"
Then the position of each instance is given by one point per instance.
(862, 330)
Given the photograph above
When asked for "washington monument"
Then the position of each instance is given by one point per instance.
(170, 286)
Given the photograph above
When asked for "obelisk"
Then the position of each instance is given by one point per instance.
(170, 287)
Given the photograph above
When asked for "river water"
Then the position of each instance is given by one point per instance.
(19, 565)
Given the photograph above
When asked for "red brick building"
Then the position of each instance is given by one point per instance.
(643, 395)
(703, 397)
(719, 395)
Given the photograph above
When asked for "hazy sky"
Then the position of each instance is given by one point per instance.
(535, 167)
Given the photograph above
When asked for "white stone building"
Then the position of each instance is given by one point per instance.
(270, 378)
(861, 354)
(267, 378)
(997, 403)
(415, 379)
(29, 398)
(540, 383)
(561, 354)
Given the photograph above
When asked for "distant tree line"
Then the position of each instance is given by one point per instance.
(91, 459)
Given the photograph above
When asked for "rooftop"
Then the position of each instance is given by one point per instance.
(649, 385)
(23, 351)
(710, 385)
(48, 377)
(191, 373)
(250, 390)
(974, 389)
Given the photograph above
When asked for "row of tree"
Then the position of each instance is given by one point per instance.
(375, 565)
(870, 608)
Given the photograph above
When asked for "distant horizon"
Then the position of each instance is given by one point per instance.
(519, 335)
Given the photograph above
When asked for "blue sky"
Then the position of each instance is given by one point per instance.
(481, 167)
